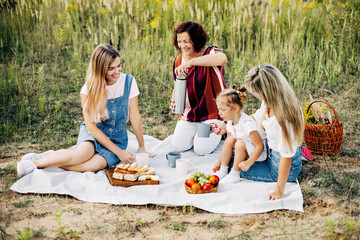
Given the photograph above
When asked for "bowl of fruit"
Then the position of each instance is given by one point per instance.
(201, 183)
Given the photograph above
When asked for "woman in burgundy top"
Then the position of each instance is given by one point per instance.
(204, 67)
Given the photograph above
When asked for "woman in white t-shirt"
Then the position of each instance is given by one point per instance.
(242, 135)
(109, 99)
(282, 119)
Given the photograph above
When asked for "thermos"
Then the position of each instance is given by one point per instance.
(180, 94)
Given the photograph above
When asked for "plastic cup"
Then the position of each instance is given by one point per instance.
(182, 166)
(142, 158)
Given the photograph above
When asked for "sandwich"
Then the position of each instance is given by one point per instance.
(132, 172)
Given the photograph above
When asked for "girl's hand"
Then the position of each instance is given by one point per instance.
(244, 165)
(142, 150)
(216, 167)
(277, 194)
(126, 157)
(218, 128)
(172, 105)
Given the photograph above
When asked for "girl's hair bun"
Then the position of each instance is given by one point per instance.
(242, 94)
(235, 86)
(240, 90)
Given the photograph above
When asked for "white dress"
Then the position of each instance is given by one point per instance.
(242, 129)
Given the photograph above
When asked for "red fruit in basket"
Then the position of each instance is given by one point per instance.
(190, 181)
(196, 186)
(214, 179)
(206, 187)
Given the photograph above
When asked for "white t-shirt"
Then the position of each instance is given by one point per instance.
(117, 89)
(274, 134)
(242, 129)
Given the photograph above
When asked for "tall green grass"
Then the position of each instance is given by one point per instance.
(45, 47)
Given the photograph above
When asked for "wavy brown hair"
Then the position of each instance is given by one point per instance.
(197, 34)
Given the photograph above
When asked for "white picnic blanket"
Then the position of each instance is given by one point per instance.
(243, 197)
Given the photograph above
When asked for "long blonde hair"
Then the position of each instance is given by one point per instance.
(267, 82)
(95, 103)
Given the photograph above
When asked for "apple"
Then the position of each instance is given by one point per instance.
(190, 182)
(196, 186)
(206, 187)
(214, 179)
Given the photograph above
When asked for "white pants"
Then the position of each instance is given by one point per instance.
(185, 137)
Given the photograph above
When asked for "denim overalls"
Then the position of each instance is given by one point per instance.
(114, 127)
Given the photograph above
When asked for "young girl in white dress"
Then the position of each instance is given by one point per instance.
(242, 135)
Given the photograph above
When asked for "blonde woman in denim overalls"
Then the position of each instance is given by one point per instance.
(109, 99)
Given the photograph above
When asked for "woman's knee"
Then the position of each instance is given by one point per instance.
(183, 138)
(83, 152)
(96, 163)
(96, 166)
(179, 144)
(202, 150)
(202, 147)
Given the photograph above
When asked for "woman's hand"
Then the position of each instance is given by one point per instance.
(216, 167)
(172, 105)
(284, 169)
(277, 194)
(218, 128)
(142, 150)
(183, 69)
(126, 157)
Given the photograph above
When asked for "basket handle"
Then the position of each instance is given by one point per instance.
(308, 108)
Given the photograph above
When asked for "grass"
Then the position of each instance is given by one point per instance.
(7, 177)
(343, 230)
(23, 203)
(62, 232)
(29, 234)
(214, 224)
(188, 208)
(176, 226)
(96, 229)
(46, 45)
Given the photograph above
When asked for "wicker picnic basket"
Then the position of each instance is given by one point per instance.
(200, 191)
(324, 138)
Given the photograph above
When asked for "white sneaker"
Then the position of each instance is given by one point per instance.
(220, 174)
(25, 167)
(35, 156)
(231, 179)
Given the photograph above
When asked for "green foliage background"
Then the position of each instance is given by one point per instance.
(45, 47)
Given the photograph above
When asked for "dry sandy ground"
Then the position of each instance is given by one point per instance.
(105, 221)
